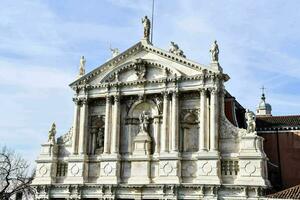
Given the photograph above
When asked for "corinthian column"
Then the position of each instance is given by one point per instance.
(116, 126)
(213, 120)
(174, 133)
(164, 134)
(75, 126)
(83, 126)
(202, 127)
(107, 125)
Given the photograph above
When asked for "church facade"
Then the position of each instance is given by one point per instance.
(150, 124)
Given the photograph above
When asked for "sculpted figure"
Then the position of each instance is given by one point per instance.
(144, 121)
(114, 51)
(250, 117)
(82, 66)
(214, 50)
(51, 134)
(174, 48)
(147, 26)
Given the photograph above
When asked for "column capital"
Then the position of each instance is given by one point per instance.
(76, 100)
(213, 90)
(202, 90)
(117, 98)
(84, 100)
(108, 98)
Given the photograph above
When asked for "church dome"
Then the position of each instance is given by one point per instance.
(263, 107)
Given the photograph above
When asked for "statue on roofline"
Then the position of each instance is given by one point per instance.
(114, 51)
(214, 50)
(174, 48)
(147, 25)
(82, 66)
(51, 134)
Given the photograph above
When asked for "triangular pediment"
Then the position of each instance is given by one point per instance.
(128, 66)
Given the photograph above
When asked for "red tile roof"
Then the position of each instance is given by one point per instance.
(290, 193)
(290, 122)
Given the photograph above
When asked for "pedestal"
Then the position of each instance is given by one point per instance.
(77, 169)
(208, 168)
(46, 165)
(140, 163)
(252, 162)
(109, 169)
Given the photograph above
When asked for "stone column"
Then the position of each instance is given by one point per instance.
(164, 134)
(174, 133)
(116, 126)
(83, 126)
(75, 126)
(157, 134)
(107, 127)
(213, 120)
(202, 128)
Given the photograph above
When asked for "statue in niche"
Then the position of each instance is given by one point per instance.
(144, 122)
(51, 134)
(147, 25)
(250, 117)
(100, 139)
(174, 48)
(214, 50)
(97, 132)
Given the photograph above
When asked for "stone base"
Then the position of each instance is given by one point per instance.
(77, 169)
(140, 172)
(169, 172)
(109, 172)
(208, 171)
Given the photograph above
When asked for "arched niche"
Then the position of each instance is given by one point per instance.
(189, 133)
(132, 128)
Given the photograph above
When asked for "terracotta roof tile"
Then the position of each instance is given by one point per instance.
(290, 193)
(280, 122)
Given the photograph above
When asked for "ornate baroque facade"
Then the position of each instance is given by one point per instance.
(150, 124)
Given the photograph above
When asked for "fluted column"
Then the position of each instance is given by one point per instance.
(202, 120)
(213, 120)
(75, 126)
(164, 134)
(174, 133)
(116, 126)
(157, 134)
(107, 128)
(83, 126)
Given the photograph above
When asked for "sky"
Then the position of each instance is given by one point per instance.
(41, 42)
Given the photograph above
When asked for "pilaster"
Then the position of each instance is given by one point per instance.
(174, 136)
(202, 129)
(75, 136)
(83, 126)
(164, 133)
(107, 125)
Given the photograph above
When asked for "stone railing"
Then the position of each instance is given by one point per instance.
(229, 170)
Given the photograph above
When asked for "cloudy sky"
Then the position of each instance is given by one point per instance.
(41, 43)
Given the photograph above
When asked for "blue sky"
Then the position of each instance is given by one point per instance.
(41, 43)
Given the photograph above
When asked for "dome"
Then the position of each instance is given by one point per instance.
(263, 108)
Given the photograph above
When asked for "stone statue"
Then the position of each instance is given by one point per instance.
(174, 48)
(82, 66)
(147, 25)
(250, 119)
(114, 51)
(214, 50)
(144, 121)
(100, 138)
(51, 134)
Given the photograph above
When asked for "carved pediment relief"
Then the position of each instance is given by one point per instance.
(139, 69)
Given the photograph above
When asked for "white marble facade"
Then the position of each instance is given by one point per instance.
(150, 124)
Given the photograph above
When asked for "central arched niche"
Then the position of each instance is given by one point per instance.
(132, 126)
